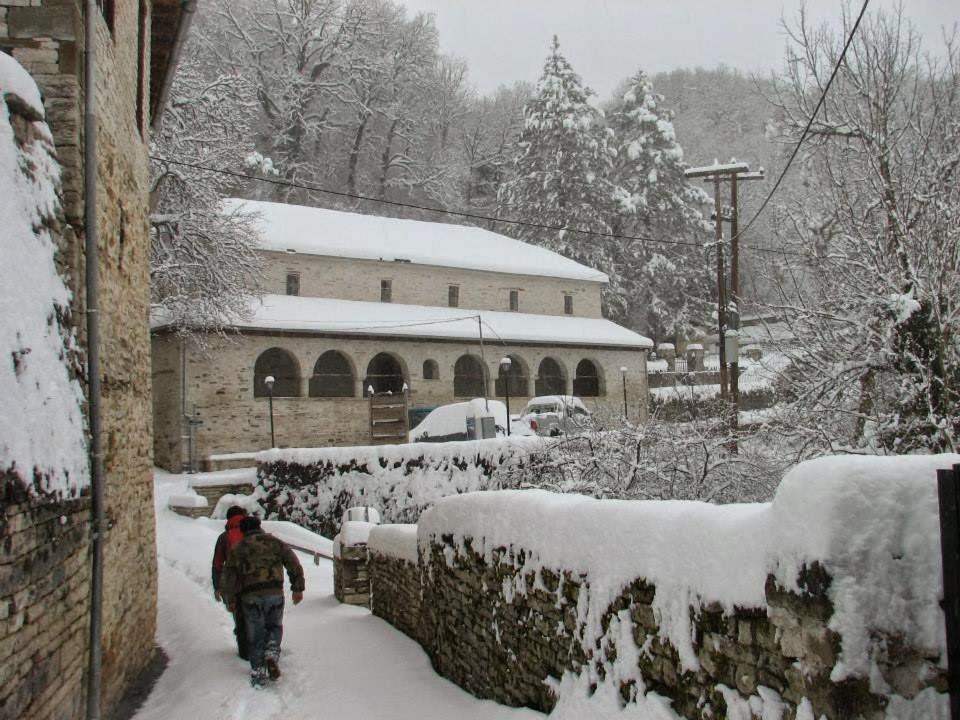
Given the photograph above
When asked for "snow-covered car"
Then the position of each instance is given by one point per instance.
(463, 421)
(555, 414)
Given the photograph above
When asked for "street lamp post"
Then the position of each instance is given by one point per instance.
(505, 364)
(269, 381)
(623, 374)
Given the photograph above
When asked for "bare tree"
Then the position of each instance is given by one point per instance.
(874, 298)
(204, 268)
(660, 460)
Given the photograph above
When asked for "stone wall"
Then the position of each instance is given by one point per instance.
(505, 645)
(395, 593)
(351, 579)
(169, 447)
(219, 385)
(413, 284)
(46, 37)
(44, 596)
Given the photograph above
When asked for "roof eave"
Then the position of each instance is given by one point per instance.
(166, 50)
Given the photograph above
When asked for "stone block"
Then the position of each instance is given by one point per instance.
(51, 21)
(36, 56)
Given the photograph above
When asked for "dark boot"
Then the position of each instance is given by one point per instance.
(258, 678)
(240, 630)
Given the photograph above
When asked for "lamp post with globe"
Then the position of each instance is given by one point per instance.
(505, 364)
(269, 380)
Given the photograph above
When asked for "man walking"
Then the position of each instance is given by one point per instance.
(252, 580)
(229, 539)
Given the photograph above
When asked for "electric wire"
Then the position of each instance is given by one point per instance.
(453, 213)
(557, 228)
(806, 130)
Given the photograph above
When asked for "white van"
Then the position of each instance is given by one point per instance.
(472, 420)
(555, 414)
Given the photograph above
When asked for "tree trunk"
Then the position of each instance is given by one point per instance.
(385, 157)
(355, 154)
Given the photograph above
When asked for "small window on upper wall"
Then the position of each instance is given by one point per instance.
(514, 300)
(107, 10)
(386, 291)
(293, 283)
(453, 296)
(568, 304)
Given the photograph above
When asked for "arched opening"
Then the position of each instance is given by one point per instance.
(468, 375)
(516, 380)
(332, 376)
(431, 371)
(551, 380)
(587, 380)
(283, 367)
(384, 374)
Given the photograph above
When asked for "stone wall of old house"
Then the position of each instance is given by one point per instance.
(219, 384)
(412, 284)
(46, 36)
(506, 645)
(169, 450)
(44, 610)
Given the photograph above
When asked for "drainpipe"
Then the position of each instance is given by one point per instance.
(97, 515)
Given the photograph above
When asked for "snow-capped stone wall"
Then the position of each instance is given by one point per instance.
(396, 596)
(43, 520)
(823, 603)
(313, 487)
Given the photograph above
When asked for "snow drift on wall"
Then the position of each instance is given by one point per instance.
(42, 440)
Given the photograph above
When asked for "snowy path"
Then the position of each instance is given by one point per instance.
(338, 661)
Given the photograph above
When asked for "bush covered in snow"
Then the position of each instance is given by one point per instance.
(664, 460)
(314, 487)
(42, 440)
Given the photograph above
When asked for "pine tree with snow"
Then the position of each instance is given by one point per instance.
(562, 167)
(667, 285)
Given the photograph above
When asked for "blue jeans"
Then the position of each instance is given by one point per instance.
(263, 615)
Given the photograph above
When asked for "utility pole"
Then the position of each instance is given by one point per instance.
(730, 172)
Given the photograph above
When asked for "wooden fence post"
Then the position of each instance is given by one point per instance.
(948, 489)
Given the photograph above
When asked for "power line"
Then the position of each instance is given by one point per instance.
(813, 116)
(454, 213)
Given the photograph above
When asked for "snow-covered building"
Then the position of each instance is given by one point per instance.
(357, 303)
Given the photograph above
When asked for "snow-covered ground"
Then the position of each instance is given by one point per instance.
(338, 661)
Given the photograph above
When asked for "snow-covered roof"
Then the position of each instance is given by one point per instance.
(314, 231)
(353, 317)
(731, 167)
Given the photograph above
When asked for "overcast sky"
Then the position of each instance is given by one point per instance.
(606, 40)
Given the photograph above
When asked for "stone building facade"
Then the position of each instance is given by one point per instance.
(373, 304)
(44, 560)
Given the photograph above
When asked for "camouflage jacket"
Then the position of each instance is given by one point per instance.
(255, 567)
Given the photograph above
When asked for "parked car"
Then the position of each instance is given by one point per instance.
(555, 414)
(464, 421)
